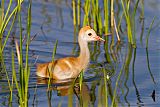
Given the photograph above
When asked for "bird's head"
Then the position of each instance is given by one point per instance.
(88, 34)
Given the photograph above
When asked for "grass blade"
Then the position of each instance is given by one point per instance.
(149, 31)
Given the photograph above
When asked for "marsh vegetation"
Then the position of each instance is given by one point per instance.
(124, 71)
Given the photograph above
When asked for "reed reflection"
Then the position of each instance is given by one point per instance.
(67, 88)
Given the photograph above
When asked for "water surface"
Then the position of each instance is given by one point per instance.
(51, 21)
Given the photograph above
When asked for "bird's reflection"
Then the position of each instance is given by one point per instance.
(66, 88)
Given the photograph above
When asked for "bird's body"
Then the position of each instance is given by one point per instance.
(70, 67)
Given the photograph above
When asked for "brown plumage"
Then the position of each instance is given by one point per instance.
(70, 67)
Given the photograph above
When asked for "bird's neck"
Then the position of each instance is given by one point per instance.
(84, 55)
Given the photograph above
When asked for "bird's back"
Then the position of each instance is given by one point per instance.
(60, 69)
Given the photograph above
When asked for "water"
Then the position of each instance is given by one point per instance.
(51, 21)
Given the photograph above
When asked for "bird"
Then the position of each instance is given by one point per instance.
(70, 67)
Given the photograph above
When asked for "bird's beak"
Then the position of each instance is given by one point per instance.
(99, 38)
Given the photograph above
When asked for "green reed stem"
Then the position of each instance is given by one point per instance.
(142, 21)
(81, 80)
(142, 6)
(149, 31)
(79, 12)
(105, 88)
(115, 90)
(49, 97)
(27, 68)
(128, 57)
(86, 10)
(29, 21)
(53, 55)
(54, 50)
(15, 79)
(70, 91)
(99, 18)
(4, 20)
(81, 101)
(11, 93)
(4, 23)
(1, 20)
(112, 13)
(4, 69)
(128, 21)
(6, 39)
(133, 78)
(106, 16)
(1, 13)
(147, 39)
(148, 65)
(2, 5)
(70, 97)
(128, 5)
(113, 25)
(142, 32)
(135, 8)
(94, 13)
(8, 19)
(120, 21)
(125, 67)
(134, 24)
(106, 29)
(74, 12)
(21, 70)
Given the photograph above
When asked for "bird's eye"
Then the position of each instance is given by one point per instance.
(89, 34)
